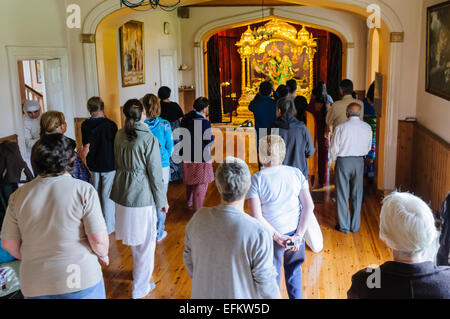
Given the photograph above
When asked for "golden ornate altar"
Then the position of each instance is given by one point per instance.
(275, 52)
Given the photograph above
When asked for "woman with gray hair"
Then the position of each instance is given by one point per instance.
(407, 226)
(279, 197)
(234, 262)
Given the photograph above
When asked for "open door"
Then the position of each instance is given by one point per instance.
(54, 89)
(54, 85)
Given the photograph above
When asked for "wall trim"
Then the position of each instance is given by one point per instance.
(254, 15)
(389, 17)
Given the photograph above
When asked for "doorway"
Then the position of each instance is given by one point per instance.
(55, 87)
(31, 82)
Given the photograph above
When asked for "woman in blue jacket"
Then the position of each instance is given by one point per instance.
(163, 132)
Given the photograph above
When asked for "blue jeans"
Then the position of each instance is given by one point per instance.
(95, 292)
(160, 225)
(292, 267)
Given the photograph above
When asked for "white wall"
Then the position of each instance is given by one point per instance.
(154, 40)
(20, 27)
(23, 25)
(432, 111)
(200, 16)
(409, 12)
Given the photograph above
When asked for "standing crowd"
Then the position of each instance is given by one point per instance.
(117, 182)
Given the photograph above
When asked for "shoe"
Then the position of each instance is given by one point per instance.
(338, 228)
(137, 295)
(164, 235)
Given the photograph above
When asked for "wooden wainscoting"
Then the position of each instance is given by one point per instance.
(423, 163)
(405, 144)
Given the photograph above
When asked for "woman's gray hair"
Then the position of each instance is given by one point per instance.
(233, 179)
(407, 224)
(272, 150)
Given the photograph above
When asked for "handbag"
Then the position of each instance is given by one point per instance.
(313, 235)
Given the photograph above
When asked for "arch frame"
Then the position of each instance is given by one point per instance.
(206, 31)
(388, 16)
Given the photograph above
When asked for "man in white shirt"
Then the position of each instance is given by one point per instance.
(337, 113)
(352, 141)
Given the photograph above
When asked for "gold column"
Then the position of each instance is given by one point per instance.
(243, 74)
(248, 71)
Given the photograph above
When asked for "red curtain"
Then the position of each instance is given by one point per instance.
(227, 67)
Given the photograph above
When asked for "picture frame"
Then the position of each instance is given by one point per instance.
(132, 55)
(38, 65)
(438, 50)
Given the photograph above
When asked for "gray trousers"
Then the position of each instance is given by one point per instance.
(349, 180)
(103, 184)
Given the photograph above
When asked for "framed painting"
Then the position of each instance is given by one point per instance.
(38, 64)
(438, 50)
(132, 53)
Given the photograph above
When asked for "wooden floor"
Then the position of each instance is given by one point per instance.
(326, 275)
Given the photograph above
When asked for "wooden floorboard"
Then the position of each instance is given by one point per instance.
(326, 275)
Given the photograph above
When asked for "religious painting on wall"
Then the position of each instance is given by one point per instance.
(438, 50)
(132, 53)
(279, 64)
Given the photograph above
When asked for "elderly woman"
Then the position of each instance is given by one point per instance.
(161, 129)
(407, 226)
(54, 224)
(138, 191)
(279, 197)
(238, 257)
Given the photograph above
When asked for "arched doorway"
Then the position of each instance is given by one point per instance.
(224, 71)
(105, 19)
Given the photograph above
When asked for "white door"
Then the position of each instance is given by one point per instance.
(54, 85)
(54, 89)
(168, 72)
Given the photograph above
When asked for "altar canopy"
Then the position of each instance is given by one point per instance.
(275, 52)
(240, 58)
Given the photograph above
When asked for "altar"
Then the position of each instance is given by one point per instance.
(274, 52)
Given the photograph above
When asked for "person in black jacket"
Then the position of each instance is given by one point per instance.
(98, 135)
(13, 171)
(298, 140)
(407, 226)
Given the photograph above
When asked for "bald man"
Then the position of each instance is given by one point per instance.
(352, 141)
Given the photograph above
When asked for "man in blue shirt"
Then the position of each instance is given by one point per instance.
(264, 109)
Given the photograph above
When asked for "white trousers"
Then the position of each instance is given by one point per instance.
(136, 227)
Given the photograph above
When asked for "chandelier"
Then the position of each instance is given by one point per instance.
(262, 34)
(146, 5)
